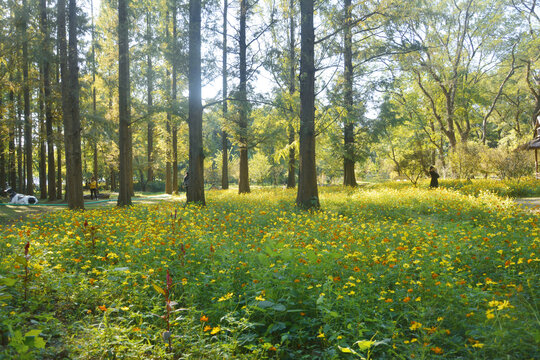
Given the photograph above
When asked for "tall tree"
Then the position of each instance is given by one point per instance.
(26, 94)
(75, 179)
(51, 172)
(307, 196)
(291, 177)
(224, 140)
(243, 183)
(349, 178)
(42, 135)
(66, 105)
(173, 96)
(149, 90)
(195, 190)
(124, 193)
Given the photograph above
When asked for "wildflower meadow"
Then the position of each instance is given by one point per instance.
(384, 273)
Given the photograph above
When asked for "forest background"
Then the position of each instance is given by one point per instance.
(400, 85)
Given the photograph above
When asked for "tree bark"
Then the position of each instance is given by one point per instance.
(3, 141)
(66, 106)
(195, 189)
(42, 138)
(149, 90)
(349, 177)
(26, 95)
(224, 141)
(307, 195)
(243, 185)
(76, 183)
(174, 90)
(51, 173)
(291, 178)
(12, 169)
(124, 194)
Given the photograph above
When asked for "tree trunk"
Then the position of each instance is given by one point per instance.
(149, 89)
(3, 141)
(51, 174)
(20, 166)
(26, 94)
(124, 194)
(195, 189)
(66, 106)
(59, 162)
(307, 196)
(349, 178)
(42, 136)
(291, 178)
(224, 141)
(243, 185)
(174, 126)
(12, 170)
(76, 182)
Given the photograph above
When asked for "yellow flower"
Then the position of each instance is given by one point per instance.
(226, 297)
(215, 330)
(260, 298)
(489, 314)
(415, 326)
(478, 345)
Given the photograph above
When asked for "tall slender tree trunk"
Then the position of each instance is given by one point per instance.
(195, 189)
(174, 89)
(124, 194)
(3, 141)
(26, 94)
(94, 102)
(243, 185)
(76, 182)
(51, 174)
(12, 129)
(42, 138)
(168, 129)
(307, 196)
(291, 178)
(149, 89)
(59, 161)
(66, 105)
(349, 177)
(224, 140)
(20, 165)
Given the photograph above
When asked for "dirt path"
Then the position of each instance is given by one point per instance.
(10, 214)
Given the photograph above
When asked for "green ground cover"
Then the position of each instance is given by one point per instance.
(380, 273)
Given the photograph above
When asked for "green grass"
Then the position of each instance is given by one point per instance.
(384, 273)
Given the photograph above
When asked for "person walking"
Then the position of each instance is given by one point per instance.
(93, 188)
(434, 177)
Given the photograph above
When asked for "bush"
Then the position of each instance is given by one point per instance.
(151, 186)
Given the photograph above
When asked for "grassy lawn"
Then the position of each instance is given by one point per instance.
(383, 273)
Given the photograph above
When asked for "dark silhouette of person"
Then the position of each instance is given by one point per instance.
(434, 177)
(186, 181)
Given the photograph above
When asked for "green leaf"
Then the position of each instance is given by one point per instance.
(279, 307)
(158, 289)
(347, 350)
(333, 314)
(265, 304)
(7, 281)
(21, 260)
(364, 344)
(34, 332)
(39, 343)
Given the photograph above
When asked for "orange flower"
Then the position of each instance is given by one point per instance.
(204, 318)
(102, 307)
(207, 328)
(407, 299)
(437, 350)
